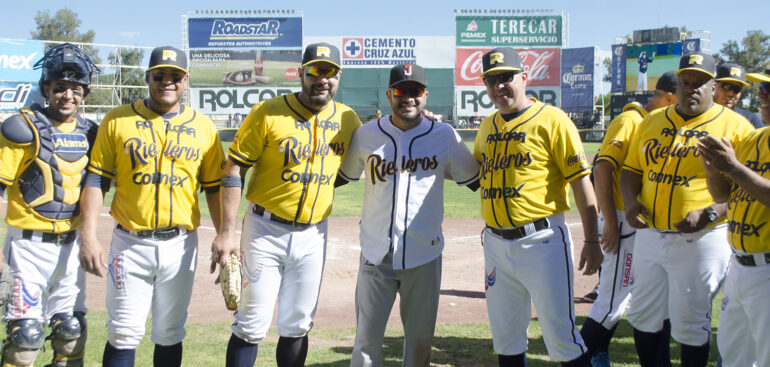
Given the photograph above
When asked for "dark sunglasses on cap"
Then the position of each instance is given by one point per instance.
(731, 87)
(492, 80)
(765, 87)
(317, 72)
(407, 92)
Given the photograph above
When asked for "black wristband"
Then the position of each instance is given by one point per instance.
(231, 181)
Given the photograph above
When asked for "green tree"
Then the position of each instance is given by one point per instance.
(753, 53)
(64, 26)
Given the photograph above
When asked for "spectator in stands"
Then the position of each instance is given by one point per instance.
(730, 81)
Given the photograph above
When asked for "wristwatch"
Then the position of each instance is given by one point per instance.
(712, 214)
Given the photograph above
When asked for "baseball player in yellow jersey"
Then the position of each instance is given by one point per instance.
(680, 256)
(730, 81)
(295, 144)
(741, 178)
(160, 153)
(617, 237)
(529, 152)
(44, 153)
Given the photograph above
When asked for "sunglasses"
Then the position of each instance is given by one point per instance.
(317, 72)
(174, 78)
(492, 80)
(765, 87)
(412, 92)
(731, 87)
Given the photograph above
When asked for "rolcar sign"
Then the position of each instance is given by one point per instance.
(232, 100)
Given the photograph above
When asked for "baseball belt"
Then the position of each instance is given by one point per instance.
(753, 259)
(54, 238)
(521, 231)
(260, 211)
(161, 234)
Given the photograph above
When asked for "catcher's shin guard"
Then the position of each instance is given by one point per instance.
(25, 338)
(68, 339)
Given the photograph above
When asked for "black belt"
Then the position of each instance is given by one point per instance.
(521, 231)
(157, 234)
(753, 259)
(260, 211)
(55, 238)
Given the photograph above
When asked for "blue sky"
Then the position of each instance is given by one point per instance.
(591, 23)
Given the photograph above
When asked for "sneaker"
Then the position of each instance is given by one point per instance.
(601, 360)
(591, 296)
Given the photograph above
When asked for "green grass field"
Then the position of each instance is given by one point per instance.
(276, 70)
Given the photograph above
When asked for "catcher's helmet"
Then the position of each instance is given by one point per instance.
(66, 62)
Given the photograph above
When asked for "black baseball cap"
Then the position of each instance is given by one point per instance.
(667, 82)
(698, 61)
(731, 72)
(321, 52)
(501, 58)
(763, 77)
(168, 57)
(407, 73)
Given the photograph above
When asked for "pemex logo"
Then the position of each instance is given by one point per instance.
(472, 26)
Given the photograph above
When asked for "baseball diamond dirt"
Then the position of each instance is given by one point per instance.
(462, 286)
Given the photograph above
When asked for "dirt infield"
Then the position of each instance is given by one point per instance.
(462, 286)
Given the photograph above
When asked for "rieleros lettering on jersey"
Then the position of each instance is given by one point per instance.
(166, 164)
(664, 152)
(614, 148)
(526, 163)
(747, 218)
(294, 173)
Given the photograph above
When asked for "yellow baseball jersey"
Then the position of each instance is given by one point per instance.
(664, 152)
(747, 218)
(614, 147)
(295, 153)
(157, 168)
(526, 164)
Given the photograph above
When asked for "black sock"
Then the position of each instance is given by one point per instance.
(647, 345)
(516, 360)
(695, 355)
(167, 355)
(291, 352)
(664, 345)
(596, 337)
(114, 357)
(583, 361)
(240, 352)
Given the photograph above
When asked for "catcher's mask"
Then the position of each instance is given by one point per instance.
(66, 62)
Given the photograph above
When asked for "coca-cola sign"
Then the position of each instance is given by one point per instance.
(542, 65)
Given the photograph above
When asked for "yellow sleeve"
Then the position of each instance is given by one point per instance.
(210, 173)
(12, 155)
(567, 149)
(103, 154)
(250, 139)
(614, 147)
(633, 161)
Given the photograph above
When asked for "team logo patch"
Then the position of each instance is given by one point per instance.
(70, 143)
(491, 277)
(168, 55)
(617, 144)
(725, 300)
(496, 58)
(250, 276)
(117, 272)
(23, 298)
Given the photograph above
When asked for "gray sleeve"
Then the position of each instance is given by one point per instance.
(16, 130)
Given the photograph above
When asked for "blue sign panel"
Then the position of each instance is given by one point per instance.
(17, 58)
(577, 79)
(254, 32)
(17, 95)
(618, 69)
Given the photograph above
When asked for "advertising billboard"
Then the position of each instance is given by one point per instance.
(388, 51)
(240, 68)
(17, 59)
(233, 100)
(618, 82)
(509, 30)
(646, 63)
(17, 95)
(244, 32)
(577, 79)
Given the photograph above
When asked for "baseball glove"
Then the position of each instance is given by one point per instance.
(230, 276)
